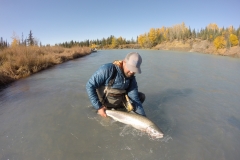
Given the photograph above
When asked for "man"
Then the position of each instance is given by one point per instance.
(113, 84)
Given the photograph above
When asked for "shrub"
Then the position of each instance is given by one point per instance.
(21, 61)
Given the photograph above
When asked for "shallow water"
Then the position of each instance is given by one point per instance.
(193, 98)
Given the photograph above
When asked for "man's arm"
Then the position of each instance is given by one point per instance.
(98, 79)
(133, 95)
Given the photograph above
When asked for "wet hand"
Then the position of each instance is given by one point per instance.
(102, 112)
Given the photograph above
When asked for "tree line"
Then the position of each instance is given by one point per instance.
(109, 42)
(3, 43)
(29, 41)
(221, 38)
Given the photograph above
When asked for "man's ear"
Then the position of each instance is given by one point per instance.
(124, 62)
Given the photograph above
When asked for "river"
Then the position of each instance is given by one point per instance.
(194, 98)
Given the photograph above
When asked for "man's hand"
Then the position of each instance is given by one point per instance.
(102, 112)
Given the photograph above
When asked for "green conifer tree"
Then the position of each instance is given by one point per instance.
(30, 39)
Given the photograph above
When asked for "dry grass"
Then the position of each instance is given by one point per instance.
(18, 62)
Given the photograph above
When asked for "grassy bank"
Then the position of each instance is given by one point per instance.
(198, 45)
(21, 61)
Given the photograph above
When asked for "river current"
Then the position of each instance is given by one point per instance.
(194, 98)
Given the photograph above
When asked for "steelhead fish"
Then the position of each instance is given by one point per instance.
(137, 121)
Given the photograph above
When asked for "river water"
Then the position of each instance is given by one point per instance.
(194, 98)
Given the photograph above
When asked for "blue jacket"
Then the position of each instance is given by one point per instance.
(102, 77)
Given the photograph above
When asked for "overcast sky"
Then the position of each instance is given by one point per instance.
(57, 21)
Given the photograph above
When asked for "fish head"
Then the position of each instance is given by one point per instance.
(154, 132)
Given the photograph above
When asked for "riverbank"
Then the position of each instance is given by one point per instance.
(21, 61)
(197, 45)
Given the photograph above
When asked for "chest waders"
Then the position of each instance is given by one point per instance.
(114, 98)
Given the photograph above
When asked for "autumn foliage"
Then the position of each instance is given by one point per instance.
(219, 42)
(157, 35)
(234, 40)
(221, 37)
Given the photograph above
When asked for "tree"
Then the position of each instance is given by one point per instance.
(194, 35)
(231, 30)
(109, 40)
(121, 41)
(30, 39)
(93, 46)
(141, 40)
(152, 36)
(15, 40)
(132, 41)
(189, 32)
(104, 42)
(3, 44)
(212, 26)
(219, 42)
(87, 43)
(114, 43)
(233, 40)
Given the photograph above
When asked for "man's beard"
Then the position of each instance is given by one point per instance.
(128, 76)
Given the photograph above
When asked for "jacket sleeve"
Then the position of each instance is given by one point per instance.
(98, 79)
(133, 95)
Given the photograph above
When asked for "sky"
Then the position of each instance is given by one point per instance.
(58, 21)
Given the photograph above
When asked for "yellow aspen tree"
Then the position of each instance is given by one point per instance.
(225, 33)
(183, 26)
(141, 40)
(152, 36)
(165, 34)
(183, 29)
(211, 37)
(14, 43)
(159, 36)
(147, 42)
(230, 29)
(93, 46)
(171, 33)
(15, 40)
(219, 42)
(158, 32)
(162, 31)
(212, 26)
(233, 40)
(114, 43)
(121, 40)
(144, 41)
